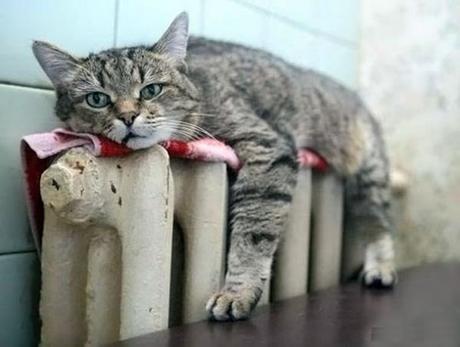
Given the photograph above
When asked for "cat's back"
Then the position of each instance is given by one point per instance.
(228, 59)
(318, 111)
(263, 76)
(227, 62)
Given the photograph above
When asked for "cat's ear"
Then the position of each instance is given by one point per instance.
(173, 43)
(60, 66)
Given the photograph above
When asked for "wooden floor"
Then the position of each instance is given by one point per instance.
(423, 310)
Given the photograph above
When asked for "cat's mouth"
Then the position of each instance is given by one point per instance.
(130, 136)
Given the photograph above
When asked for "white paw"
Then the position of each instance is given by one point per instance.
(232, 305)
(379, 276)
(379, 269)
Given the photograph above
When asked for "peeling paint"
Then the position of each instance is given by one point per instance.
(113, 188)
(78, 166)
(55, 184)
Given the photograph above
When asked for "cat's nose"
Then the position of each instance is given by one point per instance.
(128, 117)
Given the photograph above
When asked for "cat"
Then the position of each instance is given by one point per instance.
(265, 108)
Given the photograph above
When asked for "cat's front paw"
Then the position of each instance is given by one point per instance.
(230, 305)
(379, 276)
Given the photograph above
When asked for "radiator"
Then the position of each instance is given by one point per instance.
(135, 244)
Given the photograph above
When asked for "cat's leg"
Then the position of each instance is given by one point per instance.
(368, 209)
(260, 199)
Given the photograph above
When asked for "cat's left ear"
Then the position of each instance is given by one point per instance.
(60, 66)
(173, 43)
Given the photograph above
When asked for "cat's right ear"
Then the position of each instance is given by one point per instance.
(173, 43)
(58, 65)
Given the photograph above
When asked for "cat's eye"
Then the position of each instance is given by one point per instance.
(97, 99)
(150, 91)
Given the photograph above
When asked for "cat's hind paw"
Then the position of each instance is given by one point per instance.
(383, 276)
(229, 305)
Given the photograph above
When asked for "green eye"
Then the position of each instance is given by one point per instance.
(150, 91)
(97, 99)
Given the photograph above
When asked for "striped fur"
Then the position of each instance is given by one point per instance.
(262, 106)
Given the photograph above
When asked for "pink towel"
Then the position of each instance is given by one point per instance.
(37, 151)
(46, 145)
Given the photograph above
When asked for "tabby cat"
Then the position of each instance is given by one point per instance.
(264, 108)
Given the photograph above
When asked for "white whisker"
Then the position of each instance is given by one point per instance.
(183, 135)
(189, 126)
(202, 114)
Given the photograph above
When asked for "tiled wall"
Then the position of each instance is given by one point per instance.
(320, 34)
(315, 33)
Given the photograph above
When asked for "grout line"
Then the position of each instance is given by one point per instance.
(298, 25)
(115, 23)
(24, 85)
(202, 6)
(25, 251)
(359, 60)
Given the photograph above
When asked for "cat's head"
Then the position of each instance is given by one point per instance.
(137, 96)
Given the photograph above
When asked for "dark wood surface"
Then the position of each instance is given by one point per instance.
(423, 310)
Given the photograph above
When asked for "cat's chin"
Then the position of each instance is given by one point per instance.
(139, 142)
(134, 141)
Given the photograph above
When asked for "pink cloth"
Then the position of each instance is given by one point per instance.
(309, 158)
(48, 144)
(45, 145)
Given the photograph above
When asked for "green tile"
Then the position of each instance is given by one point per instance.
(311, 51)
(229, 21)
(337, 18)
(290, 43)
(338, 61)
(77, 26)
(144, 21)
(19, 296)
(24, 111)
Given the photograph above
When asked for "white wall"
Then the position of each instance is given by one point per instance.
(410, 76)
